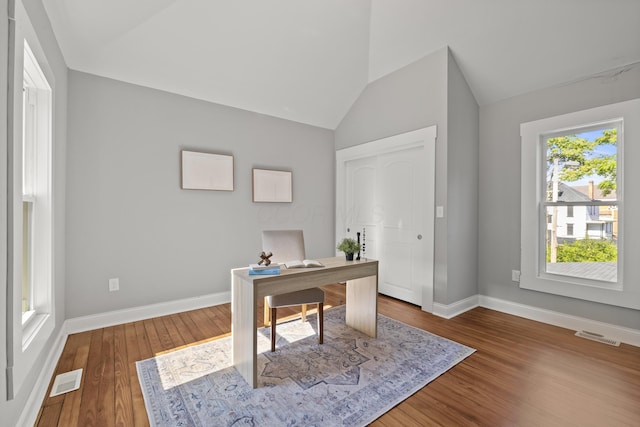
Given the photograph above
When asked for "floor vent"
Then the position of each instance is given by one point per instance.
(66, 382)
(597, 337)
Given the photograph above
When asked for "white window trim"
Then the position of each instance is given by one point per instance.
(27, 342)
(624, 294)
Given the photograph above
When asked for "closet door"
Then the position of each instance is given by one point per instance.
(385, 191)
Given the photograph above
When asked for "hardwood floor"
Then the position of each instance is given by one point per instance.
(524, 373)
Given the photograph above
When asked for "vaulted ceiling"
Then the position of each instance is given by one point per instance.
(308, 60)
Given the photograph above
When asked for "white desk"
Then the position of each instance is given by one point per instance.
(361, 301)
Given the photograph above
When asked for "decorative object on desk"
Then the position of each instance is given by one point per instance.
(363, 242)
(272, 186)
(358, 239)
(264, 258)
(352, 379)
(306, 263)
(206, 171)
(264, 266)
(349, 247)
(275, 269)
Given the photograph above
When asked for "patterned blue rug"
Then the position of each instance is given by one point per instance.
(350, 380)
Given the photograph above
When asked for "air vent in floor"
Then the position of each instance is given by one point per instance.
(66, 382)
(597, 337)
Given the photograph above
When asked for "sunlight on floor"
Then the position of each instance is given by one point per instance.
(189, 368)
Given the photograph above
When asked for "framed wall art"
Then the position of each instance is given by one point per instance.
(272, 186)
(206, 171)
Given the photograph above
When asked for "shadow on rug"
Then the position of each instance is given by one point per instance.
(350, 380)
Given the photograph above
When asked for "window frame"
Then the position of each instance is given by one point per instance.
(27, 342)
(623, 292)
(37, 189)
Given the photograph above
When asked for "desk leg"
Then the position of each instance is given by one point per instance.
(243, 329)
(362, 305)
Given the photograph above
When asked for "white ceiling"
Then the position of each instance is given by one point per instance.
(308, 60)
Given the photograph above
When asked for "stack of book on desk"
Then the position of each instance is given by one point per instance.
(264, 269)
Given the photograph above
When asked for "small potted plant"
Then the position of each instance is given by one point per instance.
(349, 247)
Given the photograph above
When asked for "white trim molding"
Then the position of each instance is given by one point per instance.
(567, 321)
(31, 408)
(575, 323)
(133, 314)
(455, 309)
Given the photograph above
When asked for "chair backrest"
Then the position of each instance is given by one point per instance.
(286, 245)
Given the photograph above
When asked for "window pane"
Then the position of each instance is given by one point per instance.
(582, 238)
(27, 215)
(587, 247)
(582, 166)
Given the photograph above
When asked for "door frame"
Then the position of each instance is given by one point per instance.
(426, 138)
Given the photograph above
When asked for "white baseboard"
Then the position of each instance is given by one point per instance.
(117, 317)
(34, 401)
(455, 309)
(575, 323)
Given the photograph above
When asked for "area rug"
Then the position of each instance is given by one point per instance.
(350, 380)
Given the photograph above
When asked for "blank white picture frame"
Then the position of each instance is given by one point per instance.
(206, 171)
(272, 186)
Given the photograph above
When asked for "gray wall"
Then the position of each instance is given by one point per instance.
(128, 217)
(12, 409)
(499, 206)
(462, 187)
(422, 94)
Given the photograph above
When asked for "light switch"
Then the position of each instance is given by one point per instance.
(439, 211)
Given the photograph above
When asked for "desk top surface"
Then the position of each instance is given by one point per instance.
(331, 264)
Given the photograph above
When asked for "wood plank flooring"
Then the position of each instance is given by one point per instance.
(524, 373)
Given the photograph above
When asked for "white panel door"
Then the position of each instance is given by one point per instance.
(363, 214)
(402, 203)
(385, 191)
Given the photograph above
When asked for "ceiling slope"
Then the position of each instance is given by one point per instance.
(309, 60)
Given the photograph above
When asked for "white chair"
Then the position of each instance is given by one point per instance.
(288, 245)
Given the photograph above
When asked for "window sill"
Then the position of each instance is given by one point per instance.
(31, 329)
(27, 317)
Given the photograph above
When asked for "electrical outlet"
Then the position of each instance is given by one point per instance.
(515, 275)
(114, 284)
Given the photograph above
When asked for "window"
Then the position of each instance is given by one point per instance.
(36, 190)
(31, 312)
(580, 176)
(569, 229)
(573, 204)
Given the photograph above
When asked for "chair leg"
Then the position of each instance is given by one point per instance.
(303, 312)
(320, 323)
(266, 312)
(273, 329)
